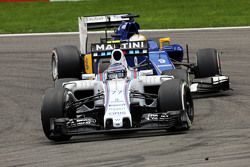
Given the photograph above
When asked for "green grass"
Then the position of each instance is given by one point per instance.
(154, 14)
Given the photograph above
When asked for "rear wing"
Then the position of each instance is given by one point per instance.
(98, 22)
(106, 21)
(129, 48)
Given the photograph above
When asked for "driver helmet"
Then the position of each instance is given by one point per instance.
(116, 71)
(138, 37)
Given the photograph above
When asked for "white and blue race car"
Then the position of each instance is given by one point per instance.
(116, 100)
(125, 84)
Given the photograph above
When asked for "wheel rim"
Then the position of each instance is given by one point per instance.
(54, 65)
(189, 107)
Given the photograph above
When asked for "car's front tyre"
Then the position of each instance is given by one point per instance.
(53, 107)
(174, 95)
(208, 63)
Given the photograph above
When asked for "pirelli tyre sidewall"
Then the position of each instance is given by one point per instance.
(53, 107)
(208, 63)
(66, 62)
(174, 95)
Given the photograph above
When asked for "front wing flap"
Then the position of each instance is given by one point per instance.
(82, 126)
(210, 84)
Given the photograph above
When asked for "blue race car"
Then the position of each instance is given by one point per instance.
(163, 57)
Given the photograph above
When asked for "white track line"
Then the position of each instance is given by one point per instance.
(149, 30)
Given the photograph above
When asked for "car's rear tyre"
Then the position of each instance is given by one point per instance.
(174, 95)
(181, 74)
(53, 107)
(58, 83)
(66, 62)
(208, 63)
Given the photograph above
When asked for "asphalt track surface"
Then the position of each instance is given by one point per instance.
(220, 135)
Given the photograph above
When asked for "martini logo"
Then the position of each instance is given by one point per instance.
(102, 47)
(132, 45)
(123, 46)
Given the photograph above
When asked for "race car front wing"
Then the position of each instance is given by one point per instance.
(87, 126)
(210, 84)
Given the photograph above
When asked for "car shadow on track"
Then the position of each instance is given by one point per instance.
(117, 136)
(212, 95)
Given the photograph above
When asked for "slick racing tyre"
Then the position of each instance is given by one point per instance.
(178, 74)
(208, 63)
(53, 107)
(174, 95)
(66, 62)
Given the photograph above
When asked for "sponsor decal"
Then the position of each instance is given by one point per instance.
(95, 19)
(102, 19)
(117, 112)
(102, 47)
(116, 92)
(118, 17)
(123, 46)
(162, 61)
